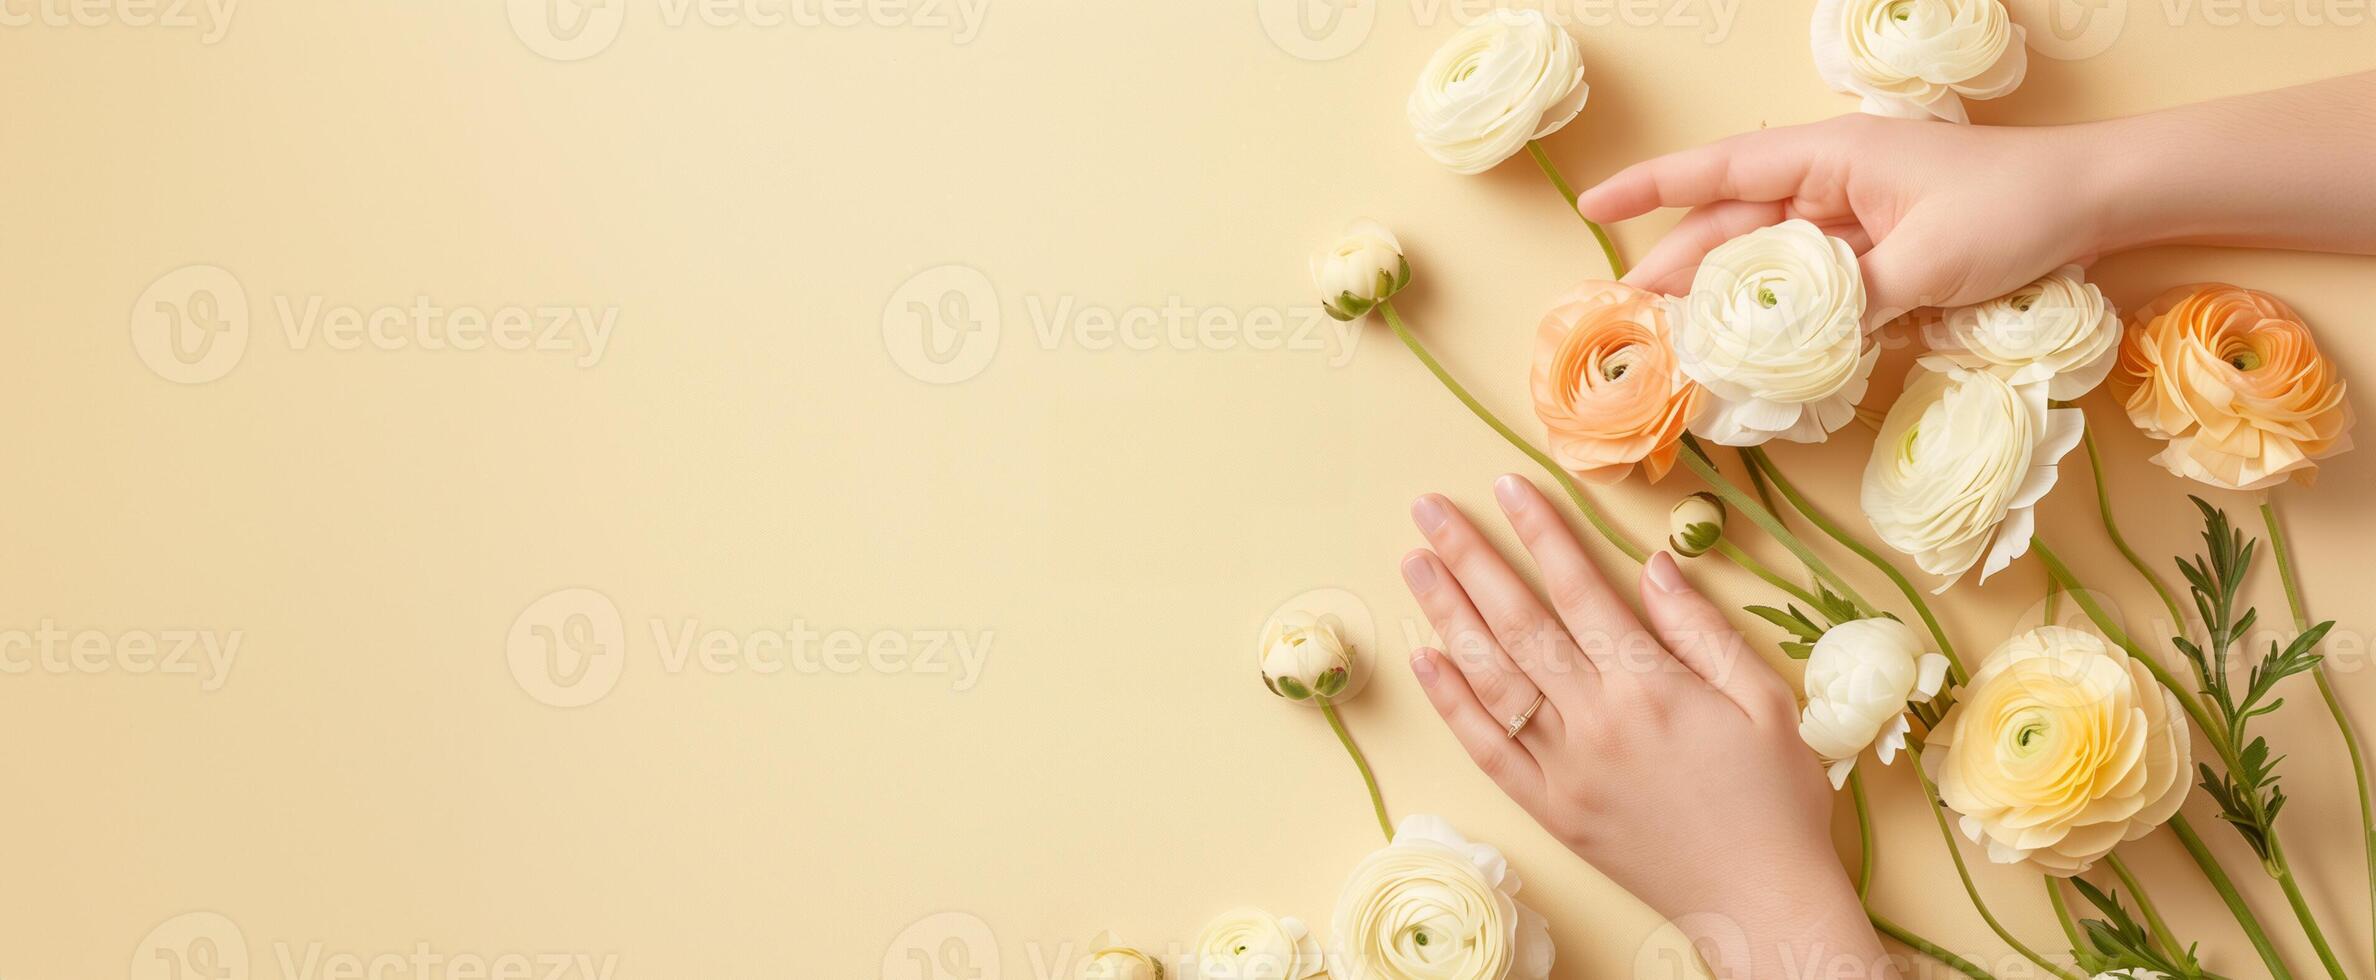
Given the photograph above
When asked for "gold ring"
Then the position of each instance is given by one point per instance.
(1518, 721)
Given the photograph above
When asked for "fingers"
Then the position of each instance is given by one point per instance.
(1768, 165)
(1670, 265)
(1911, 269)
(1598, 622)
(1699, 636)
(1499, 684)
(1501, 757)
(1520, 624)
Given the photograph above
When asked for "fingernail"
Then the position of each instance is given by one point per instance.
(1429, 512)
(1419, 572)
(1661, 572)
(1424, 666)
(1509, 490)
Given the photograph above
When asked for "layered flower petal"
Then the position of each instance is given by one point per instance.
(1434, 906)
(1510, 77)
(2059, 329)
(1860, 676)
(1251, 944)
(1773, 329)
(1364, 267)
(1918, 59)
(2233, 380)
(1961, 462)
(1607, 383)
(1304, 656)
(2059, 749)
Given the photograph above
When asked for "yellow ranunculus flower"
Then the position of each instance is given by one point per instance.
(2059, 749)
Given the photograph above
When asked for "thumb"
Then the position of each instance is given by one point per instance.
(1912, 268)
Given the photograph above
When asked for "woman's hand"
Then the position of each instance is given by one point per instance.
(1943, 215)
(1665, 754)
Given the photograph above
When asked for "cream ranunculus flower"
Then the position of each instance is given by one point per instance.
(1511, 77)
(2060, 748)
(1433, 906)
(2059, 330)
(1108, 959)
(1363, 269)
(1961, 462)
(1860, 676)
(1773, 329)
(1919, 59)
(1305, 656)
(1251, 944)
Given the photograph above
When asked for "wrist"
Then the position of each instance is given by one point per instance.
(1810, 925)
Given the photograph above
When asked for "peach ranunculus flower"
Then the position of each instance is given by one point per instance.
(2059, 749)
(1607, 382)
(2232, 380)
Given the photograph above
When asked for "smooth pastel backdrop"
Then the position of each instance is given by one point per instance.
(748, 201)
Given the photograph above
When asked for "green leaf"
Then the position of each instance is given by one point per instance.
(1294, 690)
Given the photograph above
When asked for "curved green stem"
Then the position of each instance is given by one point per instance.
(1568, 483)
(1866, 859)
(1864, 836)
(1750, 564)
(2195, 848)
(2095, 464)
(2153, 920)
(1696, 458)
(1939, 813)
(1905, 588)
(2283, 555)
(1361, 762)
(2062, 912)
(1927, 948)
(2283, 872)
(1534, 148)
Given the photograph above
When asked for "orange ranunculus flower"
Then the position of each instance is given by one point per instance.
(1607, 383)
(2232, 379)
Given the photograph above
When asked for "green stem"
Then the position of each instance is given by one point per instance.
(2195, 848)
(2062, 913)
(2053, 599)
(1750, 564)
(1866, 859)
(2279, 869)
(2095, 464)
(1542, 159)
(2120, 638)
(1361, 762)
(1757, 482)
(1905, 588)
(2153, 920)
(1696, 458)
(2283, 553)
(1939, 813)
(1568, 483)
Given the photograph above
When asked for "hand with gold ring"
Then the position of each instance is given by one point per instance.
(1661, 749)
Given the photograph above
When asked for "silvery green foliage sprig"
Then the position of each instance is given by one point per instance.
(2116, 943)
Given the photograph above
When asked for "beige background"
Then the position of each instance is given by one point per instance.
(372, 776)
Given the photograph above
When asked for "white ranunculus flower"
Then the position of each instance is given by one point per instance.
(1774, 330)
(1434, 906)
(2060, 748)
(1860, 676)
(1362, 269)
(1919, 59)
(1109, 959)
(1959, 467)
(2059, 330)
(1250, 944)
(1305, 656)
(1511, 77)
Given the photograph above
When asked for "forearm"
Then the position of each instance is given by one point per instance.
(2294, 168)
(1811, 925)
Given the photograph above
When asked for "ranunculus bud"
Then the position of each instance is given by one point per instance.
(1363, 269)
(1860, 676)
(1305, 657)
(1695, 524)
(1113, 961)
